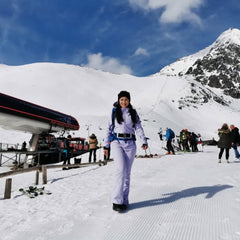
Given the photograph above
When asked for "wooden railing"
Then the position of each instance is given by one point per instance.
(41, 169)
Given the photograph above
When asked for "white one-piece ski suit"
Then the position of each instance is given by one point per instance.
(123, 150)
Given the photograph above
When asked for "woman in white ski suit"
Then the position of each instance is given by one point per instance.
(123, 125)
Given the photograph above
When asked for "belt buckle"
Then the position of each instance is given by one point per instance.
(124, 135)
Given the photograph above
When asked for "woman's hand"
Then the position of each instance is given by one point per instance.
(144, 146)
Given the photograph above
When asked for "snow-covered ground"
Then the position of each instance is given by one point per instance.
(183, 197)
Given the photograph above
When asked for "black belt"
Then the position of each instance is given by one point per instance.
(125, 135)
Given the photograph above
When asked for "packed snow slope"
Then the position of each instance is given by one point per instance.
(188, 196)
(165, 99)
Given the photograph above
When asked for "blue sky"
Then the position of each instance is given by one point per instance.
(138, 37)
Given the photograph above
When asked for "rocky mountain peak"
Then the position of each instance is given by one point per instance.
(231, 36)
(220, 66)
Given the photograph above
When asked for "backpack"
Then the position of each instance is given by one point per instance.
(172, 134)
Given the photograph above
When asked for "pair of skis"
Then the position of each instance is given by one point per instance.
(33, 192)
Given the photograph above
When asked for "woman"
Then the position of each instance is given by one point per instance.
(121, 133)
(224, 141)
(93, 142)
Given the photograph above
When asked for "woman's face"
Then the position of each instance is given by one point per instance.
(124, 102)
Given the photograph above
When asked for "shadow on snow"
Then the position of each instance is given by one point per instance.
(210, 191)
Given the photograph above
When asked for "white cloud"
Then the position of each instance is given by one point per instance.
(141, 51)
(108, 64)
(139, 3)
(174, 11)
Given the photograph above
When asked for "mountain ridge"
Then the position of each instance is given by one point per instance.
(216, 66)
(164, 99)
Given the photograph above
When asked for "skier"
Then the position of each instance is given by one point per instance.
(224, 141)
(160, 134)
(169, 137)
(121, 132)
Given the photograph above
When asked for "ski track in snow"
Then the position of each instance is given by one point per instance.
(182, 197)
(180, 214)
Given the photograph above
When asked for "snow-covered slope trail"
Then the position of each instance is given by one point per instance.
(183, 197)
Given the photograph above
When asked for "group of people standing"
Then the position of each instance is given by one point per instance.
(228, 138)
(187, 141)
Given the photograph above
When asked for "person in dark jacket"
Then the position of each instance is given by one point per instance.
(235, 139)
(68, 152)
(24, 146)
(225, 141)
(193, 142)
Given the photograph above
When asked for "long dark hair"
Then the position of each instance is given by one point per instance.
(132, 112)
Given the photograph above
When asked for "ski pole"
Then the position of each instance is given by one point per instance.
(100, 151)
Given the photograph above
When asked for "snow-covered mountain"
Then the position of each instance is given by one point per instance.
(179, 96)
(217, 67)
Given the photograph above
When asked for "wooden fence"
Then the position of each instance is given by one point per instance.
(40, 169)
